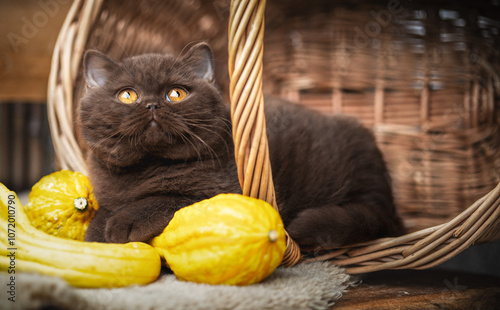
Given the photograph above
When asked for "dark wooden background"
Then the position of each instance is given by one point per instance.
(28, 31)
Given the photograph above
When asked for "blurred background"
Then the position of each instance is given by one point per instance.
(28, 32)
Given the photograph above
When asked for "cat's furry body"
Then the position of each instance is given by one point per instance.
(145, 163)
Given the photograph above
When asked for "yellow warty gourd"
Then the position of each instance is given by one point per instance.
(62, 204)
(228, 239)
(23, 248)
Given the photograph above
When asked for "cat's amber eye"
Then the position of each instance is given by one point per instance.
(176, 94)
(127, 96)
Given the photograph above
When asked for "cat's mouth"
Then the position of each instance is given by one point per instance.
(153, 121)
(160, 130)
(156, 132)
(153, 124)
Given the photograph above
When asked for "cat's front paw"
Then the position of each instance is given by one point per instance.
(118, 228)
(96, 230)
(126, 227)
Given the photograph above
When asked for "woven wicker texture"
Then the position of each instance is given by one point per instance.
(423, 76)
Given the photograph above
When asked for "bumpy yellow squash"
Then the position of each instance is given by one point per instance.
(228, 239)
(23, 248)
(62, 204)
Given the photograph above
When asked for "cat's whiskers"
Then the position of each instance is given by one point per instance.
(185, 139)
(104, 139)
(210, 150)
(123, 131)
(96, 145)
(207, 126)
(178, 57)
(169, 134)
(135, 141)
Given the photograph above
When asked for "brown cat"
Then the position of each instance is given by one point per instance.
(159, 136)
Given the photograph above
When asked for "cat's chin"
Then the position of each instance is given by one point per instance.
(154, 139)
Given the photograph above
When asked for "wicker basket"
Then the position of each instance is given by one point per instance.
(424, 76)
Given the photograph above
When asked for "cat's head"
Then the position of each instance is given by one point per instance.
(152, 106)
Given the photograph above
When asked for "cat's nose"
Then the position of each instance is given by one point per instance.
(152, 106)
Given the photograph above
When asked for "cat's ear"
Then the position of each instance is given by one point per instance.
(201, 59)
(97, 68)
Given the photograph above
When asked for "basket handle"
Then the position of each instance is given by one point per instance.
(246, 37)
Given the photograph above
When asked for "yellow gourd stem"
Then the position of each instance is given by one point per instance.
(246, 34)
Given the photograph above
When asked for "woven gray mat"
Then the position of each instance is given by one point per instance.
(306, 286)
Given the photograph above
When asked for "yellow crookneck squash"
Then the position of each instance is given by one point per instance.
(62, 204)
(23, 248)
(228, 239)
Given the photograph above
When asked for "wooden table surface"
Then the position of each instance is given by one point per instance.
(427, 289)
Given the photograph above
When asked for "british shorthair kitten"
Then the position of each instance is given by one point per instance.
(159, 139)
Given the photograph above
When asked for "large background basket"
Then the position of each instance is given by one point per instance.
(424, 76)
